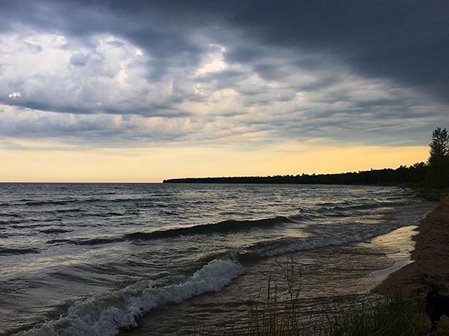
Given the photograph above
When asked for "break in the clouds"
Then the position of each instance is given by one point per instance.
(112, 73)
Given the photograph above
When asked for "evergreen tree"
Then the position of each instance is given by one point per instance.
(439, 159)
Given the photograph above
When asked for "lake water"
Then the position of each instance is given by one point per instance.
(86, 259)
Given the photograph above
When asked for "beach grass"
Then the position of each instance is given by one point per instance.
(386, 316)
(280, 314)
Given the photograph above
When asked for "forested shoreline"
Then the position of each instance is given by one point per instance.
(433, 174)
(403, 175)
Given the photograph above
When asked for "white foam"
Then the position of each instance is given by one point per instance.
(320, 241)
(105, 313)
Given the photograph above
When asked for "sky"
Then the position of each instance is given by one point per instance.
(140, 91)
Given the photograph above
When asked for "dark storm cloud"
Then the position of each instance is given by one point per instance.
(407, 41)
(135, 21)
(403, 40)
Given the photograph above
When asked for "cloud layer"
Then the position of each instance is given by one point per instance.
(148, 73)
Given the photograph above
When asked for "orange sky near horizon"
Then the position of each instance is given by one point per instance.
(156, 164)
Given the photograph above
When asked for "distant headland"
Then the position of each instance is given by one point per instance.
(414, 174)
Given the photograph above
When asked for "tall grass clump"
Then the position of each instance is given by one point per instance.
(274, 314)
(387, 316)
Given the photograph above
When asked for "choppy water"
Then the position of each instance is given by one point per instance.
(85, 259)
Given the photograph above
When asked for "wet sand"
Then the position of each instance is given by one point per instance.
(430, 266)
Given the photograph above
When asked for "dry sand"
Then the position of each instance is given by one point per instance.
(430, 267)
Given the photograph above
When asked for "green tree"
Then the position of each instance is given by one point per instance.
(439, 159)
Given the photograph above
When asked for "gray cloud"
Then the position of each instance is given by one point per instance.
(79, 59)
(400, 40)
(342, 71)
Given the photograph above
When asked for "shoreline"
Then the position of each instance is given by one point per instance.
(402, 239)
(342, 275)
(429, 268)
(336, 275)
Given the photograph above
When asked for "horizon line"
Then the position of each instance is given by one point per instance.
(191, 177)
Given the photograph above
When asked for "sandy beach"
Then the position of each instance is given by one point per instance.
(430, 266)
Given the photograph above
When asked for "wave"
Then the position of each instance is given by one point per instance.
(54, 230)
(243, 257)
(345, 206)
(319, 240)
(16, 251)
(65, 210)
(105, 214)
(56, 202)
(220, 227)
(10, 221)
(80, 201)
(84, 241)
(10, 214)
(106, 313)
(353, 207)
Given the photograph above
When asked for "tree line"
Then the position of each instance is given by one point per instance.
(432, 174)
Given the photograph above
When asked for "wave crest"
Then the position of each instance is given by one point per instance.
(106, 313)
(220, 227)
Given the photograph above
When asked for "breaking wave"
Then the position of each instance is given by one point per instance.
(106, 313)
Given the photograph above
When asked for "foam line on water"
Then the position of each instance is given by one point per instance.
(328, 241)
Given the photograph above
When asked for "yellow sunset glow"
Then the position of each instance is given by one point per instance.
(156, 164)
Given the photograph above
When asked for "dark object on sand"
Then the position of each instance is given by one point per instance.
(437, 305)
